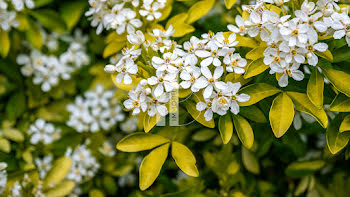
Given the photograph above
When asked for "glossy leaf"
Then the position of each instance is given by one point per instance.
(244, 41)
(180, 26)
(258, 92)
(315, 88)
(326, 55)
(58, 172)
(336, 140)
(281, 114)
(184, 158)
(140, 141)
(339, 79)
(72, 11)
(151, 166)
(244, 131)
(253, 113)
(303, 104)
(303, 168)
(256, 67)
(226, 127)
(341, 103)
(198, 10)
(113, 47)
(229, 3)
(62, 189)
(150, 121)
(198, 116)
(255, 53)
(345, 125)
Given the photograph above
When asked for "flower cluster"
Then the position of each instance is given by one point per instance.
(123, 16)
(8, 16)
(292, 41)
(200, 64)
(25, 184)
(42, 131)
(84, 164)
(96, 111)
(48, 69)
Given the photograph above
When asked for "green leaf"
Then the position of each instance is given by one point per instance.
(49, 19)
(255, 67)
(204, 135)
(339, 79)
(250, 162)
(257, 92)
(96, 193)
(281, 114)
(244, 131)
(229, 3)
(244, 41)
(34, 35)
(302, 186)
(315, 88)
(72, 11)
(303, 168)
(303, 104)
(256, 53)
(140, 141)
(197, 115)
(151, 166)
(341, 103)
(226, 128)
(13, 134)
(181, 28)
(253, 113)
(58, 172)
(150, 121)
(40, 3)
(184, 158)
(4, 43)
(61, 189)
(113, 48)
(326, 55)
(345, 125)
(336, 140)
(198, 10)
(16, 105)
(5, 145)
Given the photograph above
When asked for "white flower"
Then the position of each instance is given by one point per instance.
(191, 47)
(293, 53)
(166, 63)
(235, 63)
(150, 10)
(241, 29)
(312, 58)
(19, 4)
(162, 81)
(207, 107)
(210, 57)
(289, 71)
(233, 89)
(136, 38)
(209, 81)
(107, 149)
(3, 176)
(124, 68)
(8, 20)
(157, 105)
(130, 22)
(136, 101)
(226, 43)
(130, 125)
(275, 58)
(44, 165)
(42, 132)
(189, 77)
(295, 32)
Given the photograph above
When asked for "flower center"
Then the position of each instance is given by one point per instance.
(293, 52)
(211, 81)
(276, 59)
(222, 101)
(136, 103)
(295, 32)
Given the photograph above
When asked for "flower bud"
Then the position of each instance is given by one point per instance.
(143, 82)
(110, 69)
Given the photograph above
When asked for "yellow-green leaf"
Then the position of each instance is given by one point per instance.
(302, 103)
(339, 79)
(96, 193)
(140, 141)
(250, 162)
(341, 103)
(5, 145)
(255, 53)
(226, 127)
(253, 113)
(151, 166)
(58, 172)
(345, 124)
(198, 116)
(255, 67)
(326, 55)
(244, 131)
(150, 121)
(124, 86)
(49, 19)
(61, 189)
(198, 10)
(34, 35)
(13, 134)
(204, 135)
(303, 168)
(113, 48)
(184, 158)
(336, 140)
(178, 22)
(281, 114)
(4, 43)
(244, 41)
(302, 186)
(71, 12)
(315, 88)
(229, 3)
(258, 92)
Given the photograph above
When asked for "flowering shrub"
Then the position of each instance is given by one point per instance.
(192, 79)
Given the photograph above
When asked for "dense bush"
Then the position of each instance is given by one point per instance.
(200, 98)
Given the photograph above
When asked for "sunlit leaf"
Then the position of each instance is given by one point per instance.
(336, 140)
(339, 79)
(198, 10)
(341, 103)
(229, 3)
(255, 53)
(4, 43)
(258, 92)
(140, 141)
(226, 127)
(184, 158)
(326, 55)
(58, 172)
(253, 113)
(250, 162)
(150, 121)
(62, 189)
(281, 114)
(72, 11)
(315, 88)
(345, 125)
(198, 116)
(244, 131)
(254, 68)
(151, 166)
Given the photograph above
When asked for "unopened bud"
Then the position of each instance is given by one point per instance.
(110, 69)
(143, 82)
